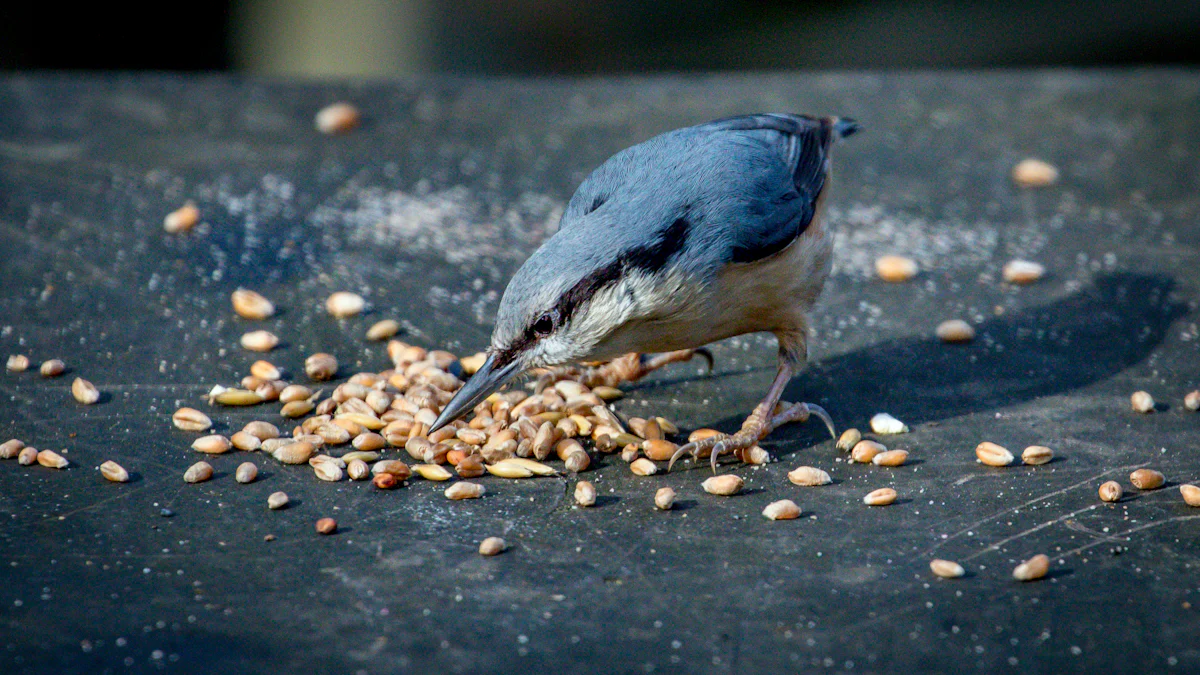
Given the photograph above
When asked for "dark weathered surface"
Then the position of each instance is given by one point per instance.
(427, 209)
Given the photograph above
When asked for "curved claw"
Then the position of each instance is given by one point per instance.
(708, 357)
(683, 450)
(716, 452)
(820, 412)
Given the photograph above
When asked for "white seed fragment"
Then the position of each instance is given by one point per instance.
(664, 499)
(993, 455)
(182, 219)
(337, 118)
(1036, 455)
(260, 341)
(585, 493)
(896, 268)
(114, 472)
(382, 330)
(890, 458)
(492, 546)
(1034, 173)
(643, 467)
(1191, 494)
(1032, 569)
(190, 419)
(52, 460)
(880, 497)
(809, 476)
(277, 500)
(784, 509)
(946, 569)
(249, 304)
(52, 368)
(955, 330)
(725, 485)
(321, 366)
(1147, 479)
(884, 424)
(1022, 271)
(17, 363)
(247, 472)
(864, 451)
(11, 448)
(849, 439)
(465, 490)
(85, 392)
(215, 444)
(1192, 401)
(1111, 491)
(198, 472)
(1142, 402)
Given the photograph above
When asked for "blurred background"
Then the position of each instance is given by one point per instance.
(373, 38)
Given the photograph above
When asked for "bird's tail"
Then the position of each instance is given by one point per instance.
(843, 126)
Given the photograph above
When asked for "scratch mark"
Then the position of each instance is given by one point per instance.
(1037, 528)
(1126, 533)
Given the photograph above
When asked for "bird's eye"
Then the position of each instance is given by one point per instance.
(544, 324)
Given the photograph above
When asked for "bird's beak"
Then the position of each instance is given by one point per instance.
(487, 379)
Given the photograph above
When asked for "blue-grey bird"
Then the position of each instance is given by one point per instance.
(693, 236)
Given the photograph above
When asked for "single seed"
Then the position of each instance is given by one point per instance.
(658, 449)
(344, 304)
(358, 470)
(328, 471)
(465, 490)
(198, 472)
(53, 368)
(537, 468)
(297, 452)
(506, 469)
(1034, 173)
(11, 448)
(890, 458)
(1032, 569)
(1192, 401)
(321, 366)
(865, 451)
(265, 370)
(369, 441)
(52, 460)
(1145, 479)
(809, 476)
(337, 118)
(296, 409)
(608, 393)
(993, 455)
(246, 472)
(955, 330)
(784, 509)
(17, 363)
(238, 397)
(216, 444)
(880, 497)
(367, 456)
(1142, 402)
(392, 466)
(190, 419)
(472, 364)
(1191, 494)
(326, 526)
(260, 341)
(114, 472)
(245, 441)
(295, 392)
(182, 219)
(756, 455)
(946, 569)
(277, 500)
(382, 330)
(664, 499)
(849, 439)
(1036, 455)
(885, 424)
(643, 467)
(701, 434)
(27, 456)
(576, 462)
(896, 268)
(1111, 491)
(1022, 272)
(492, 546)
(385, 481)
(585, 493)
(724, 486)
(434, 472)
(251, 305)
(470, 466)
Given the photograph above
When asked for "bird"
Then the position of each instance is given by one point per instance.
(690, 237)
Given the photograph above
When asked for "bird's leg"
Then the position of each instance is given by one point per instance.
(633, 367)
(800, 412)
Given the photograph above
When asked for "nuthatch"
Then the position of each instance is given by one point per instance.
(693, 236)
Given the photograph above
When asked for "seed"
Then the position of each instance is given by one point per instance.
(1191, 494)
(577, 461)
(328, 471)
(358, 470)
(1032, 569)
(537, 468)
(363, 419)
(896, 268)
(251, 305)
(326, 526)
(643, 467)
(470, 466)
(244, 441)
(756, 455)
(664, 499)
(277, 500)
(608, 393)
(296, 409)
(1111, 491)
(505, 469)
(1036, 455)
(472, 364)
(725, 485)
(880, 497)
(295, 392)
(385, 481)
(492, 546)
(432, 472)
(182, 219)
(1022, 272)
(246, 472)
(198, 473)
(1145, 479)
(955, 330)
(297, 452)
(344, 304)
(238, 397)
(332, 434)
(10, 448)
(465, 490)
(784, 509)
(630, 452)
(865, 451)
(215, 444)
(190, 419)
(890, 458)
(701, 434)
(849, 439)
(114, 472)
(17, 363)
(393, 467)
(1034, 173)
(28, 456)
(946, 569)
(53, 368)
(809, 476)
(369, 441)
(659, 450)
(383, 330)
(585, 493)
(993, 455)
(337, 118)
(885, 424)
(52, 460)
(265, 370)
(1192, 401)
(260, 341)
(321, 366)
(367, 456)
(1142, 402)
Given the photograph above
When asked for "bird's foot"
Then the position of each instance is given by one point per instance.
(753, 431)
(635, 366)
(800, 412)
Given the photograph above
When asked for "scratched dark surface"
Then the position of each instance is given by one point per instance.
(427, 209)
